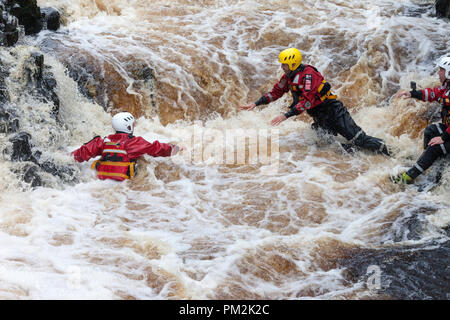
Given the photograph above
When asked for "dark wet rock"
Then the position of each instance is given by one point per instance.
(442, 8)
(447, 230)
(432, 113)
(28, 13)
(48, 92)
(141, 72)
(18, 15)
(4, 96)
(21, 147)
(411, 227)
(41, 79)
(65, 173)
(432, 178)
(51, 18)
(84, 73)
(417, 9)
(9, 122)
(419, 272)
(30, 174)
(9, 25)
(37, 60)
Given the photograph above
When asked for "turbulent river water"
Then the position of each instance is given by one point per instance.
(247, 211)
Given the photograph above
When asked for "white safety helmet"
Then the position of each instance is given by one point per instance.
(123, 122)
(444, 63)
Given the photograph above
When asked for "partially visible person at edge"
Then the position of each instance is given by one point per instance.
(436, 137)
(311, 93)
(120, 151)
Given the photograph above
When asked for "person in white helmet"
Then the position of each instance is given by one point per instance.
(120, 151)
(437, 135)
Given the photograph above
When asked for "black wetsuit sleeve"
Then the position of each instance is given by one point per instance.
(292, 112)
(262, 100)
(417, 94)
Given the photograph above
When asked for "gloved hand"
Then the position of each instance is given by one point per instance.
(176, 149)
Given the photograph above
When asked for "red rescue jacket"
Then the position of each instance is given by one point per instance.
(308, 87)
(442, 95)
(119, 153)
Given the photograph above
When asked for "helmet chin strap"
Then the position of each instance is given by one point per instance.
(291, 72)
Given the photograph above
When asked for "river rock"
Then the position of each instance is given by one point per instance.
(30, 174)
(9, 122)
(41, 79)
(21, 147)
(9, 26)
(28, 13)
(442, 8)
(65, 173)
(16, 15)
(4, 96)
(51, 18)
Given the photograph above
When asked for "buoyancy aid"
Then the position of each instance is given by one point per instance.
(307, 86)
(303, 83)
(115, 162)
(444, 100)
(440, 94)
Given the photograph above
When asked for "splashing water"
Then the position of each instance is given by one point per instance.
(310, 222)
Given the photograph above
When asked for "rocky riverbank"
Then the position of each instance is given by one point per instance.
(25, 17)
(35, 79)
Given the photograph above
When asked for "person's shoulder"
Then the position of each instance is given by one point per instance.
(311, 69)
(284, 77)
(94, 139)
(136, 139)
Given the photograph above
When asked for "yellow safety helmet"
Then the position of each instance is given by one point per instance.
(292, 57)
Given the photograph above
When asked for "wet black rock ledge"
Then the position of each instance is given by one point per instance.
(442, 8)
(17, 16)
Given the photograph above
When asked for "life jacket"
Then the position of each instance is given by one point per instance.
(115, 163)
(297, 86)
(444, 100)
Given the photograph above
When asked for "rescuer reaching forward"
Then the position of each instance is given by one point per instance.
(311, 93)
(120, 151)
(436, 137)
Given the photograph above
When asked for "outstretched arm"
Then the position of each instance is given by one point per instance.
(277, 120)
(427, 95)
(139, 146)
(249, 106)
(89, 150)
(436, 140)
(176, 149)
(404, 95)
(277, 92)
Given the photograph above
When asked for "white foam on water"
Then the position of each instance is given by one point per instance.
(188, 229)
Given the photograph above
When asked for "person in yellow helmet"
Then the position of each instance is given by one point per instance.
(312, 93)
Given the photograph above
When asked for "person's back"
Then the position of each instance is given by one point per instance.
(119, 152)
